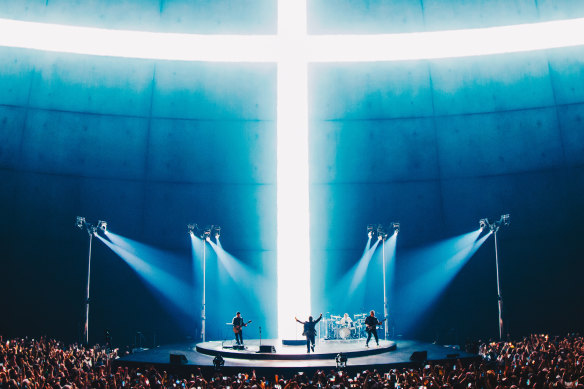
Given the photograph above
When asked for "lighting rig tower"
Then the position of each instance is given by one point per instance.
(92, 230)
(382, 236)
(494, 227)
(205, 235)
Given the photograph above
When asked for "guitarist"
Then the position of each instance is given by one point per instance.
(238, 325)
(371, 322)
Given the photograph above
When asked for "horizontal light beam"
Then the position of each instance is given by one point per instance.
(446, 44)
(137, 44)
(274, 48)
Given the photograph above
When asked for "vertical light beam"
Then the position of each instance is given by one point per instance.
(388, 263)
(293, 245)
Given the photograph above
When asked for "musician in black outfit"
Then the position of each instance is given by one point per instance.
(238, 321)
(371, 322)
(309, 331)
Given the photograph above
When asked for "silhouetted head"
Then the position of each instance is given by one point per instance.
(238, 314)
(309, 318)
(372, 313)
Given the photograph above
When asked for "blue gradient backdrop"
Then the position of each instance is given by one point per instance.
(150, 146)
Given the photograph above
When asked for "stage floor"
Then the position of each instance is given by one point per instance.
(324, 350)
(388, 355)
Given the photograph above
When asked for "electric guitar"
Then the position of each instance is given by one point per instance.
(370, 328)
(237, 329)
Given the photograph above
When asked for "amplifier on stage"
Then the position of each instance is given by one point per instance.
(178, 359)
(267, 349)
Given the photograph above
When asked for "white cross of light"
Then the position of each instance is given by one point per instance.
(292, 49)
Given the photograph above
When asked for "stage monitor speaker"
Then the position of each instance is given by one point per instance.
(267, 349)
(419, 356)
(178, 359)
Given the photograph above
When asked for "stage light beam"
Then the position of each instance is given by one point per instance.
(148, 263)
(272, 48)
(351, 288)
(293, 236)
(244, 277)
(432, 269)
(361, 268)
(388, 263)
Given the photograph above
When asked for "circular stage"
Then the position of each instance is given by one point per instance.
(189, 356)
(273, 349)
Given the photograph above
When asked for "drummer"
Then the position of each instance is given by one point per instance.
(346, 321)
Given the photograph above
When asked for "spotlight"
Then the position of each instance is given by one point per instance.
(341, 360)
(102, 225)
(504, 221)
(203, 233)
(381, 232)
(396, 227)
(217, 232)
(218, 362)
(80, 221)
(370, 231)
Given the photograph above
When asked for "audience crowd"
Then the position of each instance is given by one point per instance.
(537, 361)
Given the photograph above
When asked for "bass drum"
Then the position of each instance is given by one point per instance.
(345, 333)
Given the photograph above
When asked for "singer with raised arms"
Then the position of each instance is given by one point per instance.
(309, 331)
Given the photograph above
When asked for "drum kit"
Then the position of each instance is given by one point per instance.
(340, 329)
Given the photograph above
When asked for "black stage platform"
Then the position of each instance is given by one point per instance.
(389, 354)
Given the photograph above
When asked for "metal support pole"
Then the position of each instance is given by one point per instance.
(204, 318)
(86, 327)
(385, 310)
(500, 298)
